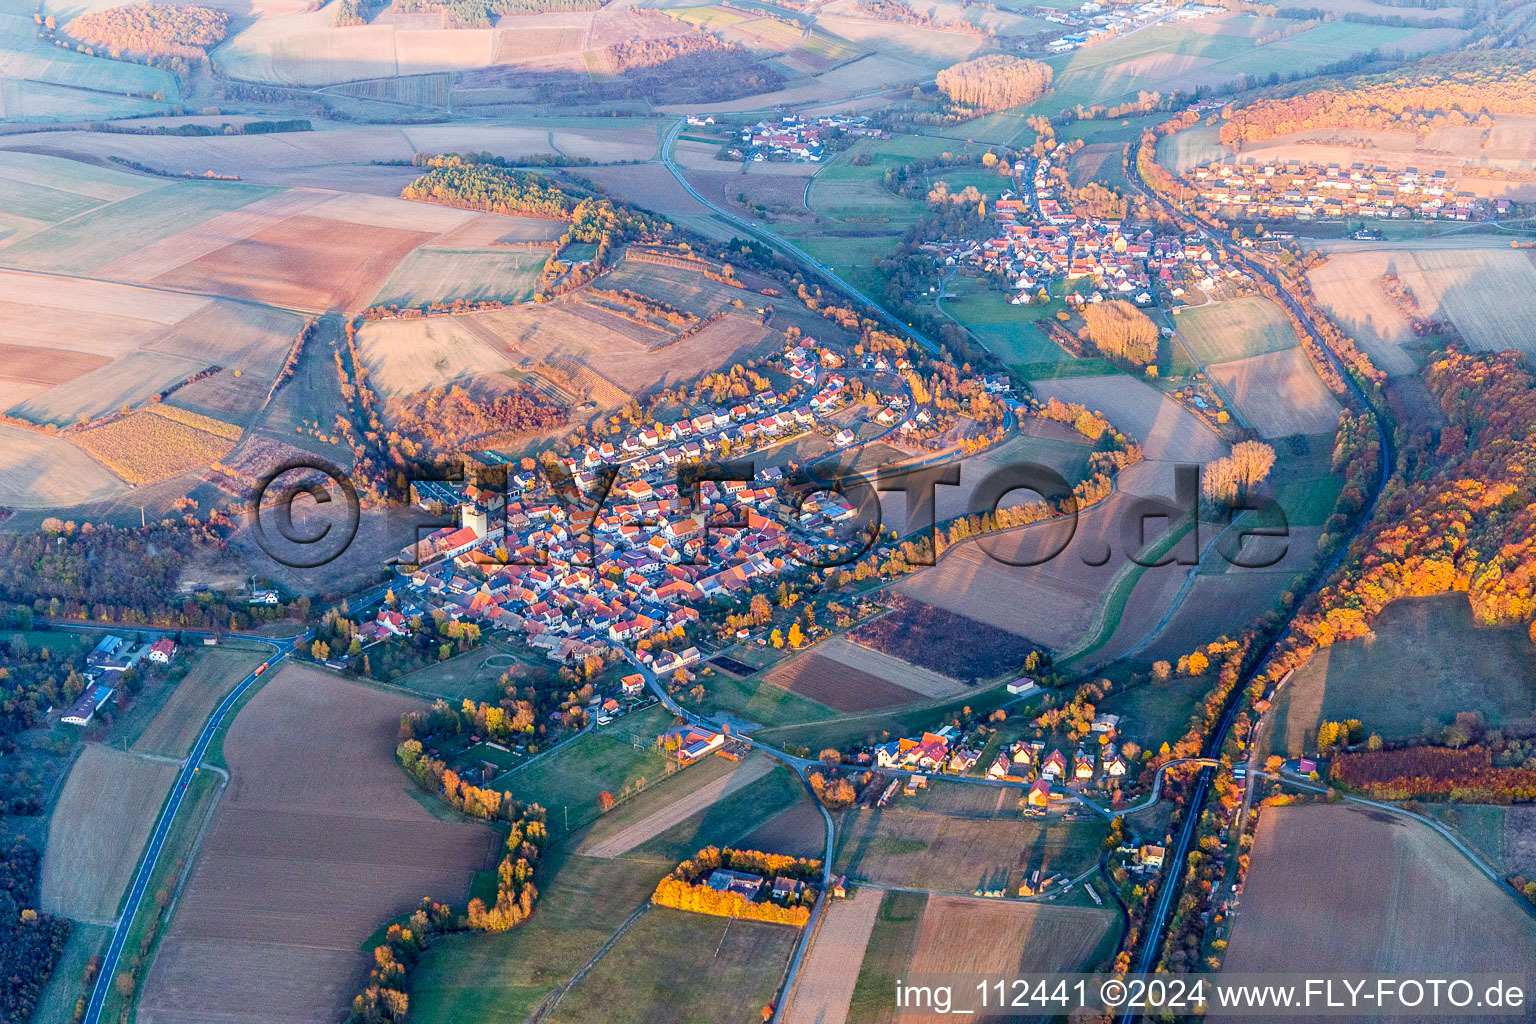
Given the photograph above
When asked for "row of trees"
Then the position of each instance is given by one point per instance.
(997, 81)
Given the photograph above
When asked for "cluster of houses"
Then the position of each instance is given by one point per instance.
(1039, 241)
(1294, 190)
(108, 660)
(619, 574)
(752, 886)
(1096, 22)
(793, 139)
(578, 581)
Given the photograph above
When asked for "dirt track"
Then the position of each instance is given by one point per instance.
(655, 824)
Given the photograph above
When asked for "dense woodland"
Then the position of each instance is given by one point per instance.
(997, 81)
(453, 181)
(1468, 774)
(181, 30)
(114, 574)
(30, 941)
(1464, 88)
(442, 420)
(1458, 516)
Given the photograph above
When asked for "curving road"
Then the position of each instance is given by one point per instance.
(789, 248)
(1157, 920)
(108, 972)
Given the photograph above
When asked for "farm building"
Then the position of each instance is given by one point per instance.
(693, 744)
(162, 651)
(725, 880)
(84, 709)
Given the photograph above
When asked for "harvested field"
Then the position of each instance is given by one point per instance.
(43, 471)
(824, 987)
(211, 235)
(86, 243)
(45, 366)
(175, 729)
(908, 676)
(1425, 662)
(104, 815)
(1350, 288)
(1165, 429)
(408, 355)
(318, 840)
(679, 811)
(838, 685)
(1220, 332)
(1053, 603)
(238, 336)
(305, 262)
(1397, 897)
(146, 446)
(922, 849)
(1280, 394)
(472, 275)
(965, 935)
(1488, 293)
(404, 356)
(125, 382)
(1043, 443)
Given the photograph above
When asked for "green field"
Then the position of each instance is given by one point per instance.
(472, 275)
(1426, 662)
(1219, 332)
(120, 229)
(572, 776)
(861, 198)
(676, 966)
(841, 731)
(1310, 502)
(1025, 349)
(1154, 712)
(500, 978)
(728, 820)
(756, 700)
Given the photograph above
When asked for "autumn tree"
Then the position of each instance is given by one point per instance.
(997, 81)
(1121, 331)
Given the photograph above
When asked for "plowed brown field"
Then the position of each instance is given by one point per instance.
(316, 843)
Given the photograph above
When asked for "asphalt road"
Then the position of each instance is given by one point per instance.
(789, 248)
(1157, 921)
(162, 829)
